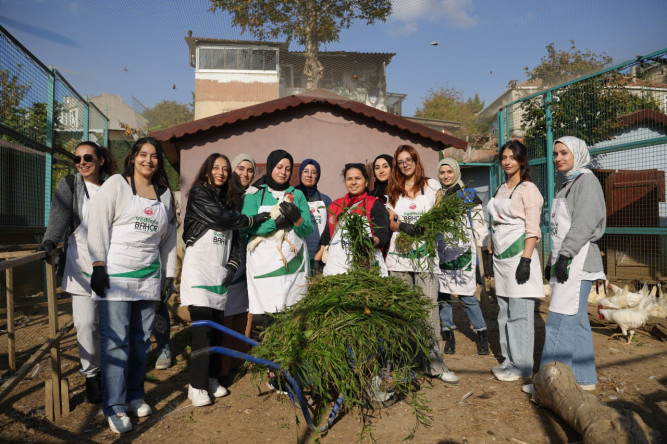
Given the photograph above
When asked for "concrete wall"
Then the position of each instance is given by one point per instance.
(217, 93)
(331, 138)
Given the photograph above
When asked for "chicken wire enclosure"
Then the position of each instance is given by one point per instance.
(621, 112)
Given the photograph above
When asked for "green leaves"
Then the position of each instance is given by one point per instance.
(346, 331)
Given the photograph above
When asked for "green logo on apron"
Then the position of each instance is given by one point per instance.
(153, 270)
(514, 249)
(292, 267)
(217, 289)
(459, 262)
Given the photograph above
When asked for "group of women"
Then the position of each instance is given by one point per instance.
(250, 246)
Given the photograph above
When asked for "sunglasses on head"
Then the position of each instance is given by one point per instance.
(86, 157)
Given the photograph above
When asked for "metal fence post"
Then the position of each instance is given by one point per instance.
(51, 90)
(550, 168)
(11, 338)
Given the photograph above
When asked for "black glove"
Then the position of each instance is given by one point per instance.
(410, 229)
(488, 263)
(547, 272)
(522, 271)
(258, 218)
(283, 223)
(318, 268)
(290, 211)
(231, 271)
(47, 246)
(561, 268)
(167, 290)
(99, 280)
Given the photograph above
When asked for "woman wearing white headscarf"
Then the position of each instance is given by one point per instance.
(578, 220)
(458, 261)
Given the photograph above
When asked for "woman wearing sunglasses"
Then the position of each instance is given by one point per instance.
(409, 195)
(69, 214)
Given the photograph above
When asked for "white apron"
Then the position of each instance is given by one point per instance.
(271, 286)
(318, 217)
(509, 238)
(409, 211)
(204, 270)
(457, 263)
(78, 268)
(237, 293)
(565, 297)
(339, 260)
(133, 261)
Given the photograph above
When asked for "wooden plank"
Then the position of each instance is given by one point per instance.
(11, 263)
(10, 383)
(11, 338)
(53, 332)
(19, 247)
(48, 400)
(64, 395)
(20, 253)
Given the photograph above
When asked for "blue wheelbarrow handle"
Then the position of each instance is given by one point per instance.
(235, 354)
(226, 330)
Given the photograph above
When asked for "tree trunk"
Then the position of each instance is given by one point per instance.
(557, 389)
(312, 67)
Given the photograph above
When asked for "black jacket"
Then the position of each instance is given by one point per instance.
(206, 211)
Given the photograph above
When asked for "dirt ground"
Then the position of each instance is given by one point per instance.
(479, 409)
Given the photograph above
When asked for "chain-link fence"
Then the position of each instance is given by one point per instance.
(621, 112)
(42, 119)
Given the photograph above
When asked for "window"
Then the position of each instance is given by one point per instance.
(237, 59)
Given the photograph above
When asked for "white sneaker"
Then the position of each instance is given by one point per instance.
(119, 423)
(528, 388)
(449, 376)
(216, 389)
(199, 397)
(139, 408)
(506, 375)
(588, 387)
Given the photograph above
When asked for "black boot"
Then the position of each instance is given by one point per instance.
(483, 342)
(93, 389)
(450, 342)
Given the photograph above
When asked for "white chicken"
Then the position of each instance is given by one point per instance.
(598, 292)
(629, 319)
(622, 298)
(277, 236)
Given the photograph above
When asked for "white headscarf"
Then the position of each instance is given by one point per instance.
(454, 165)
(581, 156)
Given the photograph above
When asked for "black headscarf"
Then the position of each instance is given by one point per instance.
(271, 162)
(380, 188)
(309, 192)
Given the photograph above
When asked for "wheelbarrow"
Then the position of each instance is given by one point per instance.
(293, 388)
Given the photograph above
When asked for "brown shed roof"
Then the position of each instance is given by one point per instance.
(316, 97)
(640, 116)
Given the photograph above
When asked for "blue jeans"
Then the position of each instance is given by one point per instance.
(516, 325)
(472, 309)
(569, 340)
(125, 333)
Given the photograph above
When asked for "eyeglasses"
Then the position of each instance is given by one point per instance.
(309, 173)
(406, 162)
(86, 157)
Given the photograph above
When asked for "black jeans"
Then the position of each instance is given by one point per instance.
(207, 365)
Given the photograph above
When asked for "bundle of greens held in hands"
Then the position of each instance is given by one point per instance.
(446, 219)
(359, 243)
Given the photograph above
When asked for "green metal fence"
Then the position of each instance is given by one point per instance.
(621, 112)
(42, 119)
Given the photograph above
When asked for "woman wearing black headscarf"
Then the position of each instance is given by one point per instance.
(275, 280)
(309, 176)
(381, 171)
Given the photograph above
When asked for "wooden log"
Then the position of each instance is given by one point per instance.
(597, 423)
(53, 332)
(11, 338)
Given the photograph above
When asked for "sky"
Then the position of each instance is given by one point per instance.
(136, 48)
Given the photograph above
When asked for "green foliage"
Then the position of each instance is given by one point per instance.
(167, 113)
(448, 104)
(588, 109)
(353, 334)
(12, 93)
(355, 235)
(448, 217)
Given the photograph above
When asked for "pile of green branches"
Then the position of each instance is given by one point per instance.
(347, 330)
(445, 221)
(358, 240)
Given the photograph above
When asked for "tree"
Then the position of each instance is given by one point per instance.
(588, 109)
(560, 66)
(308, 22)
(12, 93)
(167, 113)
(448, 104)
